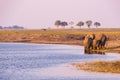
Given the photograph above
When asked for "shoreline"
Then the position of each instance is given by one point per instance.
(80, 43)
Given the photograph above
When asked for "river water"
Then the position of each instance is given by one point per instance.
(22, 61)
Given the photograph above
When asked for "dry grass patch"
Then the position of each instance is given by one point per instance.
(99, 66)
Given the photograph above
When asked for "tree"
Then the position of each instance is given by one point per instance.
(1, 27)
(17, 27)
(71, 23)
(89, 23)
(63, 24)
(57, 23)
(97, 24)
(80, 24)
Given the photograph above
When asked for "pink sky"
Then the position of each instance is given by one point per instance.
(43, 13)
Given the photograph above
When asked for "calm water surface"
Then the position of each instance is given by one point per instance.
(20, 61)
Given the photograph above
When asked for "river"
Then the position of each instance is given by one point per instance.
(23, 61)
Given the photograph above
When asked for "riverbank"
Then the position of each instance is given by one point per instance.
(99, 66)
(61, 36)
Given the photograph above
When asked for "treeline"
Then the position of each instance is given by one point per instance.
(63, 24)
(12, 27)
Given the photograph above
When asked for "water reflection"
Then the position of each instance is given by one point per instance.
(94, 52)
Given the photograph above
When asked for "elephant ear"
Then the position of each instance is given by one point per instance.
(98, 36)
(92, 36)
(87, 36)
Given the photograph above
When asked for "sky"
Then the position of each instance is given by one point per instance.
(36, 14)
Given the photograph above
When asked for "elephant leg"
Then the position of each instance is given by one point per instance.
(85, 47)
(103, 41)
(94, 44)
(103, 45)
(95, 48)
(98, 44)
(90, 44)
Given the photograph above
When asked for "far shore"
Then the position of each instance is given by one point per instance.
(62, 36)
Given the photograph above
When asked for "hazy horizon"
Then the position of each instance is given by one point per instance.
(43, 13)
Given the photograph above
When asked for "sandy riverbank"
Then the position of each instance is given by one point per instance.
(62, 36)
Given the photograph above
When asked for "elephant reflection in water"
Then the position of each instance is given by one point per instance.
(94, 42)
(94, 52)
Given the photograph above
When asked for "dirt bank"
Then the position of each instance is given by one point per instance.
(68, 36)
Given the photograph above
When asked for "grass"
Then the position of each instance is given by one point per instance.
(61, 36)
(63, 31)
(99, 66)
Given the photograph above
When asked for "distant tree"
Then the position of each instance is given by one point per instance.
(17, 27)
(63, 24)
(80, 24)
(12, 27)
(72, 27)
(97, 24)
(71, 23)
(89, 23)
(57, 23)
(1, 27)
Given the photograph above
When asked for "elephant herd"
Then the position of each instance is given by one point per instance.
(95, 41)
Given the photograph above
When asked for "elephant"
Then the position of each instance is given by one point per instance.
(88, 41)
(103, 41)
(99, 41)
(94, 44)
(95, 41)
